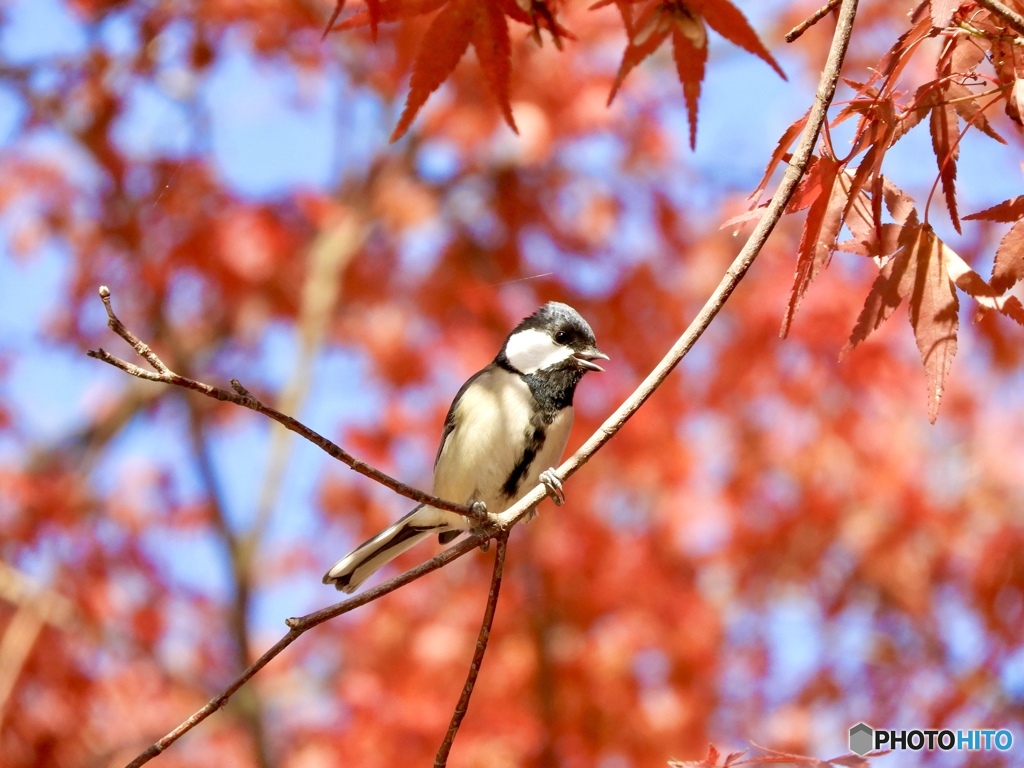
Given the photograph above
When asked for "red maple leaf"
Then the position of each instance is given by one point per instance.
(1009, 264)
(945, 132)
(460, 22)
(645, 37)
(686, 21)
(1008, 210)
(711, 761)
(373, 12)
(868, 238)
(780, 153)
(990, 296)
(970, 111)
(728, 21)
(690, 51)
(942, 11)
(457, 25)
(919, 272)
(830, 188)
(877, 129)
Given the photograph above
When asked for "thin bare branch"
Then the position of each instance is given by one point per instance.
(241, 396)
(298, 626)
(482, 640)
(134, 342)
(1013, 19)
(811, 20)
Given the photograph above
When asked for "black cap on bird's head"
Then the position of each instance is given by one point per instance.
(554, 335)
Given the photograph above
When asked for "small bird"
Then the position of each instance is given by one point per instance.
(508, 422)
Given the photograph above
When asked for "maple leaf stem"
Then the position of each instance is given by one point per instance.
(974, 96)
(241, 396)
(482, 639)
(1011, 17)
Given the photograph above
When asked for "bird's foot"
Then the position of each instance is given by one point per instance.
(481, 522)
(479, 510)
(553, 486)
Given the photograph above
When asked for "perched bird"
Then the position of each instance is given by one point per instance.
(507, 426)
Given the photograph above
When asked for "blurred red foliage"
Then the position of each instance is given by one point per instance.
(777, 546)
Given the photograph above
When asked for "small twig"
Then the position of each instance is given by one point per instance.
(1010, 16)
(811, 20)
(242, 396)
(975, 96)
(298, 626)
(118, 327)
(441, 760)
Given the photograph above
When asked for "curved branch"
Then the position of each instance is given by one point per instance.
(774, 211)
(298, 626)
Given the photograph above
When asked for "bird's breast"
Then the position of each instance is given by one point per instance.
(500, 444)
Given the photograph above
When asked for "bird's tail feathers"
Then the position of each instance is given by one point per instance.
(362, 562)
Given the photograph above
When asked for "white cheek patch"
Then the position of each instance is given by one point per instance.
(531, 350)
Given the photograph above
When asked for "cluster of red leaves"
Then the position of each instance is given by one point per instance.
(685, 23)
(485, 25)
(457, 25)
(851, 191)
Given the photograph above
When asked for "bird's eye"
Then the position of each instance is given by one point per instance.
(562, 337)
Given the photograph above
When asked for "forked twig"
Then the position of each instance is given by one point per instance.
(241, 396)
(441, 760)
(773, 212)
(297, 627)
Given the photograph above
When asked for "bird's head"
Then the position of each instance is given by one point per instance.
(554, 337)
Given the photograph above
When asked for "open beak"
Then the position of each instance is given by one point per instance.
(585, 358)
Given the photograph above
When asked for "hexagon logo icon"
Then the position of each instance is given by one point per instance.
(861, 738)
